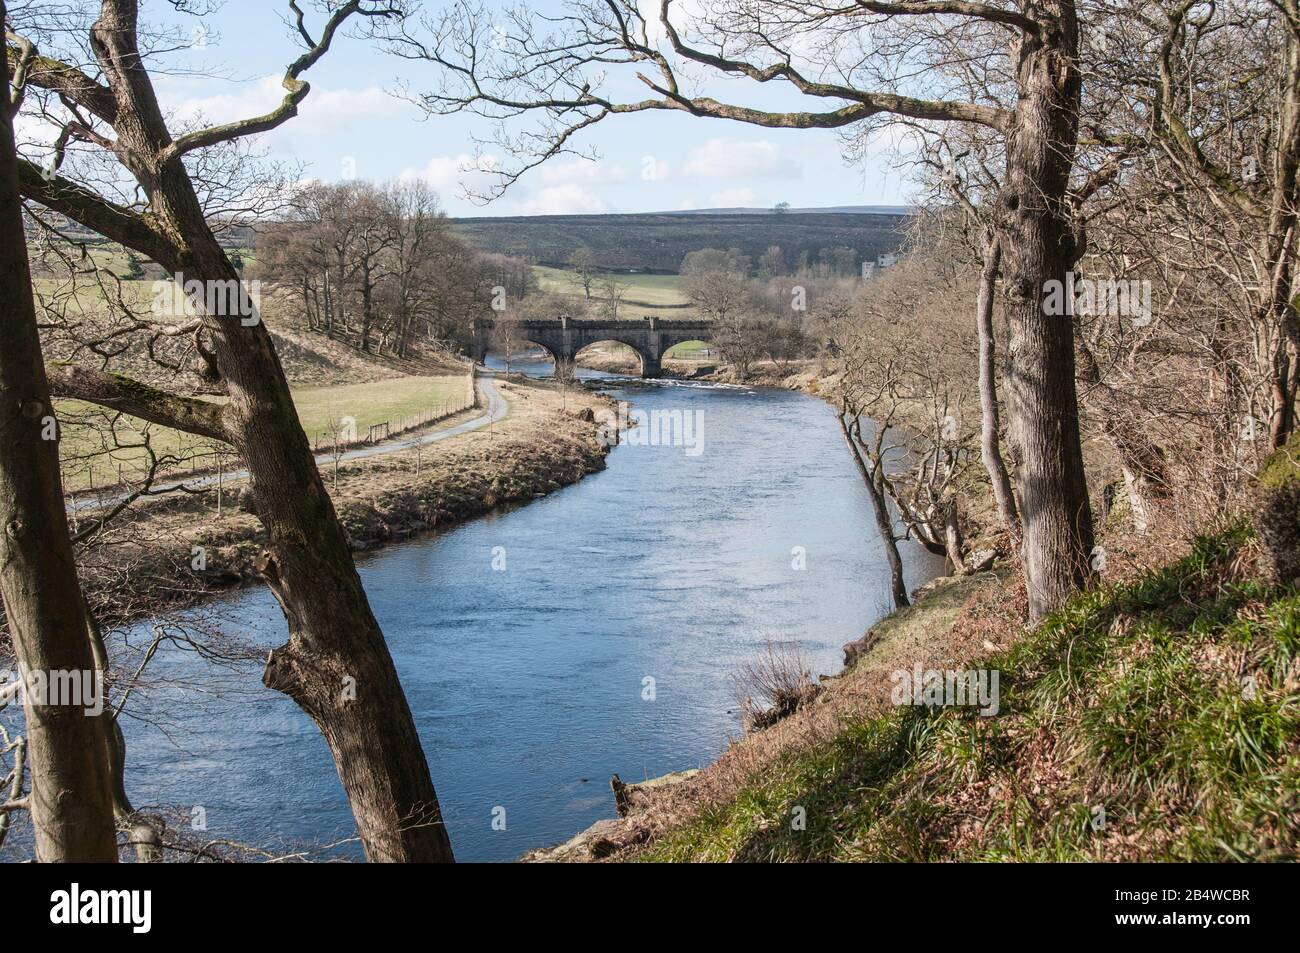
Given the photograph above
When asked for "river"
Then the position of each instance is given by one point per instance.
(604, 640)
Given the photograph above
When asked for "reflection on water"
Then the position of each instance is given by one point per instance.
(530, 686)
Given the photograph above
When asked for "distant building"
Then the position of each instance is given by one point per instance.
(869, 268)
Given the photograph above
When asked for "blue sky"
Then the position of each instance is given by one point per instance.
(352, 125)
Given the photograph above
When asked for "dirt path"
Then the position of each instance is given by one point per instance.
(497, 408)
(542, 440)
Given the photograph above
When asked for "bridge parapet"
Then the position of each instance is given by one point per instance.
(564, 336)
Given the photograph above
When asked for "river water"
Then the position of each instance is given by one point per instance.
(607, 643)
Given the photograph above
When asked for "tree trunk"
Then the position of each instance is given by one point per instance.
(71, 801)
(952, 535)
(990, 425)
(142, 832)
(335, 664)
(366, 290)
(897, 585)
(1038, 247)
(1279, 249)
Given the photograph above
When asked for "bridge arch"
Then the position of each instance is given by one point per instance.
(545, 348)
(563, 337)
(521, 343)
(645, 361)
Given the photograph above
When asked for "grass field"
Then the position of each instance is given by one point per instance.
(644, 292)
(376, 402)
(321, 410)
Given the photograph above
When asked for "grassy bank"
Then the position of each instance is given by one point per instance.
(546, 442)
(346, 410)
(1155, 719)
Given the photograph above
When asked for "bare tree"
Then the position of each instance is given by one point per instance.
(1237, 139)
(1030, 51)
(612, 292)
(375, 235)
(506, 335)
(334, 640)
(70, 800)
(715, 282)
(912, 384)
(583, 263)
(869, 456)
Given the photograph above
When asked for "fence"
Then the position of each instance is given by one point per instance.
(328, 440)
(195, 461)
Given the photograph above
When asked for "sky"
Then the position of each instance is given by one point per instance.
(353, 125)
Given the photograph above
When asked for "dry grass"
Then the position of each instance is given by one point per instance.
(773, 685)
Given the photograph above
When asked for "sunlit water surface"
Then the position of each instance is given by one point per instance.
(531, 686)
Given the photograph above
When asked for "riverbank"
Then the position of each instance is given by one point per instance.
(1152, 720)
(944, 628)
(934, 632)
(176, 550)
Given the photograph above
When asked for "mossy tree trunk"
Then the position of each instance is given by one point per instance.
(70, 797)
(335, 664)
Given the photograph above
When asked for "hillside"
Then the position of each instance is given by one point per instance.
(657, 242)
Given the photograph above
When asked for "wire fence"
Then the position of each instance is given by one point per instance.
(108, 479)
(348, 434)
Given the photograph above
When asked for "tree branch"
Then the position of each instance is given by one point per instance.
(31, 69)
(121, 393)
(122, 225)
(297, 89)
(979, 11)
(868, 103)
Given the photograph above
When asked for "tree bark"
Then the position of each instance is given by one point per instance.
(71, 800)
(335, 664)
(367, 315)
(141, 831)
(852, 431)
(1279, 247)
(334, 644)
(1038, 247)
(952, 535)
(990, 424)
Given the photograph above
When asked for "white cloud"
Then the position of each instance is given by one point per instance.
(562, 200)
(441, 172)
(324, 112)
(584, 170)
(452, 176)
(736, 159)
(729, 198)
(31, 130)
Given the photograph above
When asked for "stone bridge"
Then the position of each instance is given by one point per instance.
(564, 337)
